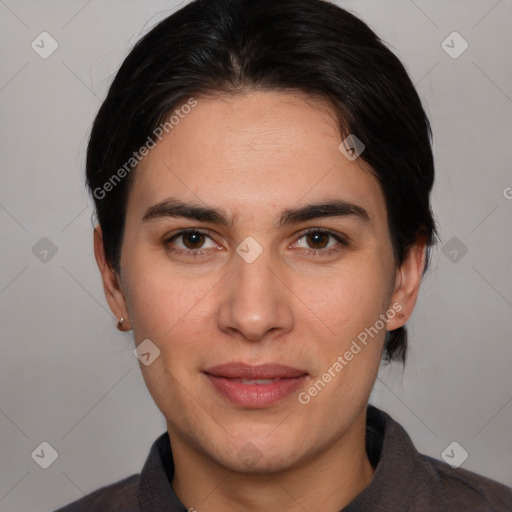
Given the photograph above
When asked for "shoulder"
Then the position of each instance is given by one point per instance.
(464, 490)
(405, 479)
(120, 496)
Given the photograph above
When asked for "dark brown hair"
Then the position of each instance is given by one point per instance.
(311, 46)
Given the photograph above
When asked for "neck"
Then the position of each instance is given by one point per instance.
(327, 481)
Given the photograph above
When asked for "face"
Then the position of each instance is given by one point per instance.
(257, 306)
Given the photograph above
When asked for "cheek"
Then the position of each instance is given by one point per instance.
(350, 299)
(161, 303)
(349, 361)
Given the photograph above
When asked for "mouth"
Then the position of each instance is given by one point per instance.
(255, 386)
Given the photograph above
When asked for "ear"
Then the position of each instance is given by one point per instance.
(111, 282)
(407, 283)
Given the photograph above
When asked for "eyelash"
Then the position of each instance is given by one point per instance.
(195, 253)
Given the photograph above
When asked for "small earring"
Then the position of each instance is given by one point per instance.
(401, 315)
(120, 324)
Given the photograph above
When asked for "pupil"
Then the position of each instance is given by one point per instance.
(194, 239)
(314, 238)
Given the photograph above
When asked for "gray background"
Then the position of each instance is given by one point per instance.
(69, 378)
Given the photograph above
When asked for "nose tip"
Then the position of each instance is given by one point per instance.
(255, 302)
(255, 329)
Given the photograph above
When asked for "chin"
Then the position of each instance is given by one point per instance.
(263, 464)
(255, 455)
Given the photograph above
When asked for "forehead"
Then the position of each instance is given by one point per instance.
(254, 150)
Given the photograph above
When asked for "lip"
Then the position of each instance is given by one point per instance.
(227, 380)
(238, 370)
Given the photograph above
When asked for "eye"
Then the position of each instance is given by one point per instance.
(189, 241)
(321, 242)
(193, 242)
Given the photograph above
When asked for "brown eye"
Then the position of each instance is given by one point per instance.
(318, 239)
(189, 241)
(319, 242)
(193, 239)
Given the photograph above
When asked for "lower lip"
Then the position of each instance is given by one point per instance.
(254, 396)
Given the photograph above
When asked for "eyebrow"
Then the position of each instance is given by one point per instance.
(175, 208)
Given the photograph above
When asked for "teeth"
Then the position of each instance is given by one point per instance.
(256, 381)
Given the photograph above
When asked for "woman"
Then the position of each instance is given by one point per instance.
(262, 173)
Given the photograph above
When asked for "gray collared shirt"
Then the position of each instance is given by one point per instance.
(404, 480)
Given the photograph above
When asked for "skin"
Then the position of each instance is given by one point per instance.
(253, 155)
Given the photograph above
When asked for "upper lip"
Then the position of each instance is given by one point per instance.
(237, 370)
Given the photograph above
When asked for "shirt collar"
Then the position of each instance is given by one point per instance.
(396, 480)
(389, 449)
(155, 490)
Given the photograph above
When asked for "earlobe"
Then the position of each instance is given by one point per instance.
(407, 283)
(111, 283)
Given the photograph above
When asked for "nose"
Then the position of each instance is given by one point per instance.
(255, 300)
